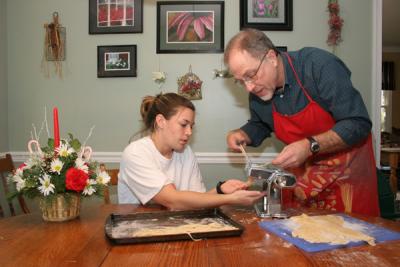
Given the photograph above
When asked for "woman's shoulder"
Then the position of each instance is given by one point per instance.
(139, 146)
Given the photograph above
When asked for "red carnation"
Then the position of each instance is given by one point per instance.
(76, 179)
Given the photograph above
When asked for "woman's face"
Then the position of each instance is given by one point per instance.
(176, 131)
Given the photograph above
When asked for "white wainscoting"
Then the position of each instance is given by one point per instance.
(202, 157)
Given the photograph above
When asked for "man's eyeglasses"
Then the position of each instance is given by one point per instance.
(251, 78)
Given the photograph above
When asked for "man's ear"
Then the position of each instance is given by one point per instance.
(160, 121)
(272, 57)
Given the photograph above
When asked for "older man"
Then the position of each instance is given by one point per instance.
(307, 99)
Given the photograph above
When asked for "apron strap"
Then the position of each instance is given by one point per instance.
(297, 77)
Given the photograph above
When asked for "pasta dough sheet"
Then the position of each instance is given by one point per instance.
(188, 228)
(173, 226)
(330, 229)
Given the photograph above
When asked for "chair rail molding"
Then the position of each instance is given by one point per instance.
(202, 157)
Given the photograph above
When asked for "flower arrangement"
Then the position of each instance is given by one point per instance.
(55, 170)
(335, 24)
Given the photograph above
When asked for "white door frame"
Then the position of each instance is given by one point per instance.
(376, 77)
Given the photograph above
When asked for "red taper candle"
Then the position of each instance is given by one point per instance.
(56, 128)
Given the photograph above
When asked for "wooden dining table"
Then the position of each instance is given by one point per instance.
(27, 240)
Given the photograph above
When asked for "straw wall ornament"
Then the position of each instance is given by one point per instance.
(189, 85)
(54, 46)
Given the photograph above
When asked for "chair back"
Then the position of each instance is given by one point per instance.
(114, 181)
(6, 168)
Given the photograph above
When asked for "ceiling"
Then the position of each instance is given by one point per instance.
(390, 23)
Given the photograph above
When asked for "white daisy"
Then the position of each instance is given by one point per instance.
(19, 182)
(89, 189)
(103, 178)
(56, 166)
(80, 164)
(46, 186)
(64, 150)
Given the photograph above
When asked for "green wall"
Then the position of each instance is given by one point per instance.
(112, 104)
(3, 79)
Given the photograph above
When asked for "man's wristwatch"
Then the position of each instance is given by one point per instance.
(314, 145)
(218, 187)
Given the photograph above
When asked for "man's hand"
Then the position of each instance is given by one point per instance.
(245, 198)
(293, 155)
(237, 137)
(233, 185)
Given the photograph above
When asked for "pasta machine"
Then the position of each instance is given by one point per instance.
(271, 179)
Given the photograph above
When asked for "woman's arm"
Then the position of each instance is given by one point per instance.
(184, 200)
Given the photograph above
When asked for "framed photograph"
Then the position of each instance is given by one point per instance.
(190, 27)
(116, 61)
(267, 15)
(115, 16)
(281, 48)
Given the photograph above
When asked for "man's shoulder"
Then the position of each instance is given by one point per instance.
(313, 52)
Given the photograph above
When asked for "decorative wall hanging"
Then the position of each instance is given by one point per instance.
(335, 25)
(189, 85)
(190, 27)
(159, 78)
(116, 61)
(115, 16)
(54, 46)
(267, 15)
(221, 73)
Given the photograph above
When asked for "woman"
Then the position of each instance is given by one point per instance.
(160, 167)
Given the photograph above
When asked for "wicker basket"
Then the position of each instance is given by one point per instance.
(61, 208)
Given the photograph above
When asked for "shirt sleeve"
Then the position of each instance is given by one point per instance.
(196, 183)
(141, 174)
(256, 128)
(336, 94)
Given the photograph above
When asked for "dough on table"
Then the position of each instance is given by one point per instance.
(326, 229)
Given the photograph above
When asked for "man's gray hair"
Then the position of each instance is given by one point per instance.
(255, 42)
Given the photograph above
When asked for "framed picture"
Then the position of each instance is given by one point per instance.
(116, 61)
(267, 15)
(190, 27)
(281, 48)
(115, 16)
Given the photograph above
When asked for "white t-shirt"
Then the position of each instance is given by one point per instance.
(144, 172)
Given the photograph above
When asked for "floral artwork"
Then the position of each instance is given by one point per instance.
(115, 13)
(116, 61)
(188, 26)
(51, 170)
(266, 15)
(265, 8)
(335, 24)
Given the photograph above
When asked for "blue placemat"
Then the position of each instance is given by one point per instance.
(283, 230)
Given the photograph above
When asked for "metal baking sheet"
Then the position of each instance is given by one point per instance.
(121, 228)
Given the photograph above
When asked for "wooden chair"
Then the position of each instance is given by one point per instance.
(7, 167)
(114, 181)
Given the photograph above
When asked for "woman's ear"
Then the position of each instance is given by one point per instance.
(160, 121)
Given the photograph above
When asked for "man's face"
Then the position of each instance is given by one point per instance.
(258, 76)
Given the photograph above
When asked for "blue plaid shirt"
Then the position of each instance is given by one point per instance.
(327, 80)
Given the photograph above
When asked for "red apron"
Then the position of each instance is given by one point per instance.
(343, 181)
